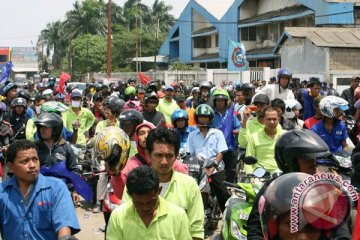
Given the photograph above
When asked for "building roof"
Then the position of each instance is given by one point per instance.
(217, 8)
(324, 37)
(350, 1)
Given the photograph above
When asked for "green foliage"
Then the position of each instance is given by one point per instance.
(88, 53)
(90, 17)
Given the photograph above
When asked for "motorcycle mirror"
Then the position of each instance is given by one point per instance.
(250, 160)
(259, 172)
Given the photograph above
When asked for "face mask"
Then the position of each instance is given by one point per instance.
(38, 109)
(75, 104)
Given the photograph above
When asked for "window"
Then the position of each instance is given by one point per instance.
(3, 58)
(248, 34)
(343, 81)
(216, 40)
(202, 42)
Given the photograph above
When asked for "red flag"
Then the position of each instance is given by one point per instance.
(61, 87)
(144, 79)
(356, 232)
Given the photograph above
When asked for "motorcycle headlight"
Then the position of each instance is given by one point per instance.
(236, 231)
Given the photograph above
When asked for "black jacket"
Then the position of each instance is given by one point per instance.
(61, 151)
(348, 95)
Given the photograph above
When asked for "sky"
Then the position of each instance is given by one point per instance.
(22, 20)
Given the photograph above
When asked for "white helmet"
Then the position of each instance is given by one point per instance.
(290, 104)
(329, 103)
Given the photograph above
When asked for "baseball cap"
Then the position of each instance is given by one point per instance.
(169, 88)
(75, 93)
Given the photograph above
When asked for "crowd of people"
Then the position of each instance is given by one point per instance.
(138, 133)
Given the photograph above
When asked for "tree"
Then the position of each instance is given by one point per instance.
(135, 9)
(89, 53)
(160, 13)
(52, 37)
(88, 17)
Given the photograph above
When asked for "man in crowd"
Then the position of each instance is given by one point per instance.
(147, 216)
(308, 96)
(262, 143)
(34, 206)
(167, 105)
(348, 95)
(82, 116)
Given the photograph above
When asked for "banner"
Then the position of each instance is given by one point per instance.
(144, 79)
(237, 57)
(6, 72)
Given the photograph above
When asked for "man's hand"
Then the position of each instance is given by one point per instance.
(209, 171)
(75, 197)
(76, 125)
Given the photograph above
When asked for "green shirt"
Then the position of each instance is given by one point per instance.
(167, 108)
(170, 222)
(104, 124)
(252, 126)
(184, 192)
(86, 119)
(30, 130)
(262, 147)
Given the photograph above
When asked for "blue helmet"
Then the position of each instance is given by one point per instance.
(179, 114)
(284, 72)
(8, 87)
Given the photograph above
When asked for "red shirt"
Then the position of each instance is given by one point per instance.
(311, 122)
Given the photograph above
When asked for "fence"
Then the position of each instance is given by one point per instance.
(188, 77)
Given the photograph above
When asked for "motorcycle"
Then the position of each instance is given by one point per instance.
(196, 166)
(240, 204)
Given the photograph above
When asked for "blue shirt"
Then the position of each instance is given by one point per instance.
(66, 134)
(333, 139)
(227, 123)
(29, 113)
(49, 209)
(184, 136)
(207, 147)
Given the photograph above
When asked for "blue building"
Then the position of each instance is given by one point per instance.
(202, 33)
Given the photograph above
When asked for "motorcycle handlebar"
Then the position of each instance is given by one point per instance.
(229, 184)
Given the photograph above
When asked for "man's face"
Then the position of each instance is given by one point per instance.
(306, 165)
(240, 98)
(204, 91)
(11, 94)
(307, 233)
(315, 90)
(271, 119)
(46, 132)
(181, 104)
(132, 84)
(25, 166)
(355, 83)
(98, 102)
(203, 120)
(169, 94)
(19, 110)
(220, 104)
(283, 81)
(279, 112)
(143, 132)
(151, 105)
(162, 158)
(146, 204)
(180, 123)
(108, 114)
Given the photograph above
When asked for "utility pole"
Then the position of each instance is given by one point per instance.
(156, 41)
(136, 44)
(109, 41)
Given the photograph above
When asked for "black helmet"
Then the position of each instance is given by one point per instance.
(298, 143)
(205, 84)
(131, 118)
(115, 106)
(19, 102)
(151, 88)
(247, 87)
(261, 98)
(187, 90)
(131, 79)
(23, 94)
(150, 96)
(51, 120)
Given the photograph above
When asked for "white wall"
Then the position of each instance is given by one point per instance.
(248, 9)
(303, 57)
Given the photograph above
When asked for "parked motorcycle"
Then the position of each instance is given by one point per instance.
(239, 205)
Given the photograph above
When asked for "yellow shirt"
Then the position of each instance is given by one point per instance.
(262, 147)
(167, 108)
(170, 222)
